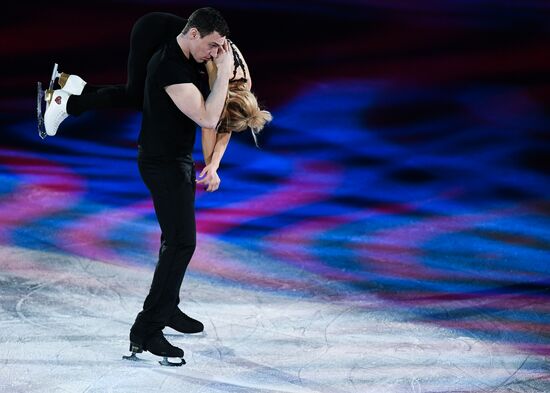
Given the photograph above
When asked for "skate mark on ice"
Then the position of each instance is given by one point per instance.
(85, 268)
(326, 346)
(20, 303)
(263, 370)
(235, 386)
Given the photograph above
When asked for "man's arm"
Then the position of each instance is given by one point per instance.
(190, 101)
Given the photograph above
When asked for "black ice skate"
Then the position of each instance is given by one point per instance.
(157, 345)
(183, 323)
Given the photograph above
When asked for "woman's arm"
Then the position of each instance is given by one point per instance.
(222, 140)
(208, 140)
(214, 145)
(212, 71)
(213, 149)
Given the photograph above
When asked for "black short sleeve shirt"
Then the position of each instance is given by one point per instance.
(165, 130)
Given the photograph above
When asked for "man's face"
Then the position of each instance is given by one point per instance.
(207, 47)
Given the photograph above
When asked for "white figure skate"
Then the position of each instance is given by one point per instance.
(72, 84)
(56, 101)
(45, 95)
(56, 111)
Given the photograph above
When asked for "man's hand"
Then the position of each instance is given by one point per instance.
(210, 177)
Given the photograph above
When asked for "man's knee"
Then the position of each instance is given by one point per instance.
(181, 241)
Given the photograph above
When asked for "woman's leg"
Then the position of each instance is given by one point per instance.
(148, 34)
(99, 97)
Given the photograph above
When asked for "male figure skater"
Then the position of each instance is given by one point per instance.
(172, 106)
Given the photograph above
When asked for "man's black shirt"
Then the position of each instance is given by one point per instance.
(165, 131)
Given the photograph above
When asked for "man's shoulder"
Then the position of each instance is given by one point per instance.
(167, 71)
(164, 63)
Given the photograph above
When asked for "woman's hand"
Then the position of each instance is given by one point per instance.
(224, 61)
(209, 177)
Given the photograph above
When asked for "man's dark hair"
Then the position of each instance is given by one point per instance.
(207, 20)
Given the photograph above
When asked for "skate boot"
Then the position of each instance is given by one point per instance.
(184, 323)
(157, 345)
(56, 111)
(72, 84)
(55, 102)
(44, 96)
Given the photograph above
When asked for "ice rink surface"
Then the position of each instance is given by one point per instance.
(391, 234)
(65, 323)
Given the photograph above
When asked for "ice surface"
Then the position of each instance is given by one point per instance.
(65, 321)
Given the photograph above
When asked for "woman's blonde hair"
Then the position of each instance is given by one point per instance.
(241, 111)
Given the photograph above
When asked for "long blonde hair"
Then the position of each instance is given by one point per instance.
(241, 111)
